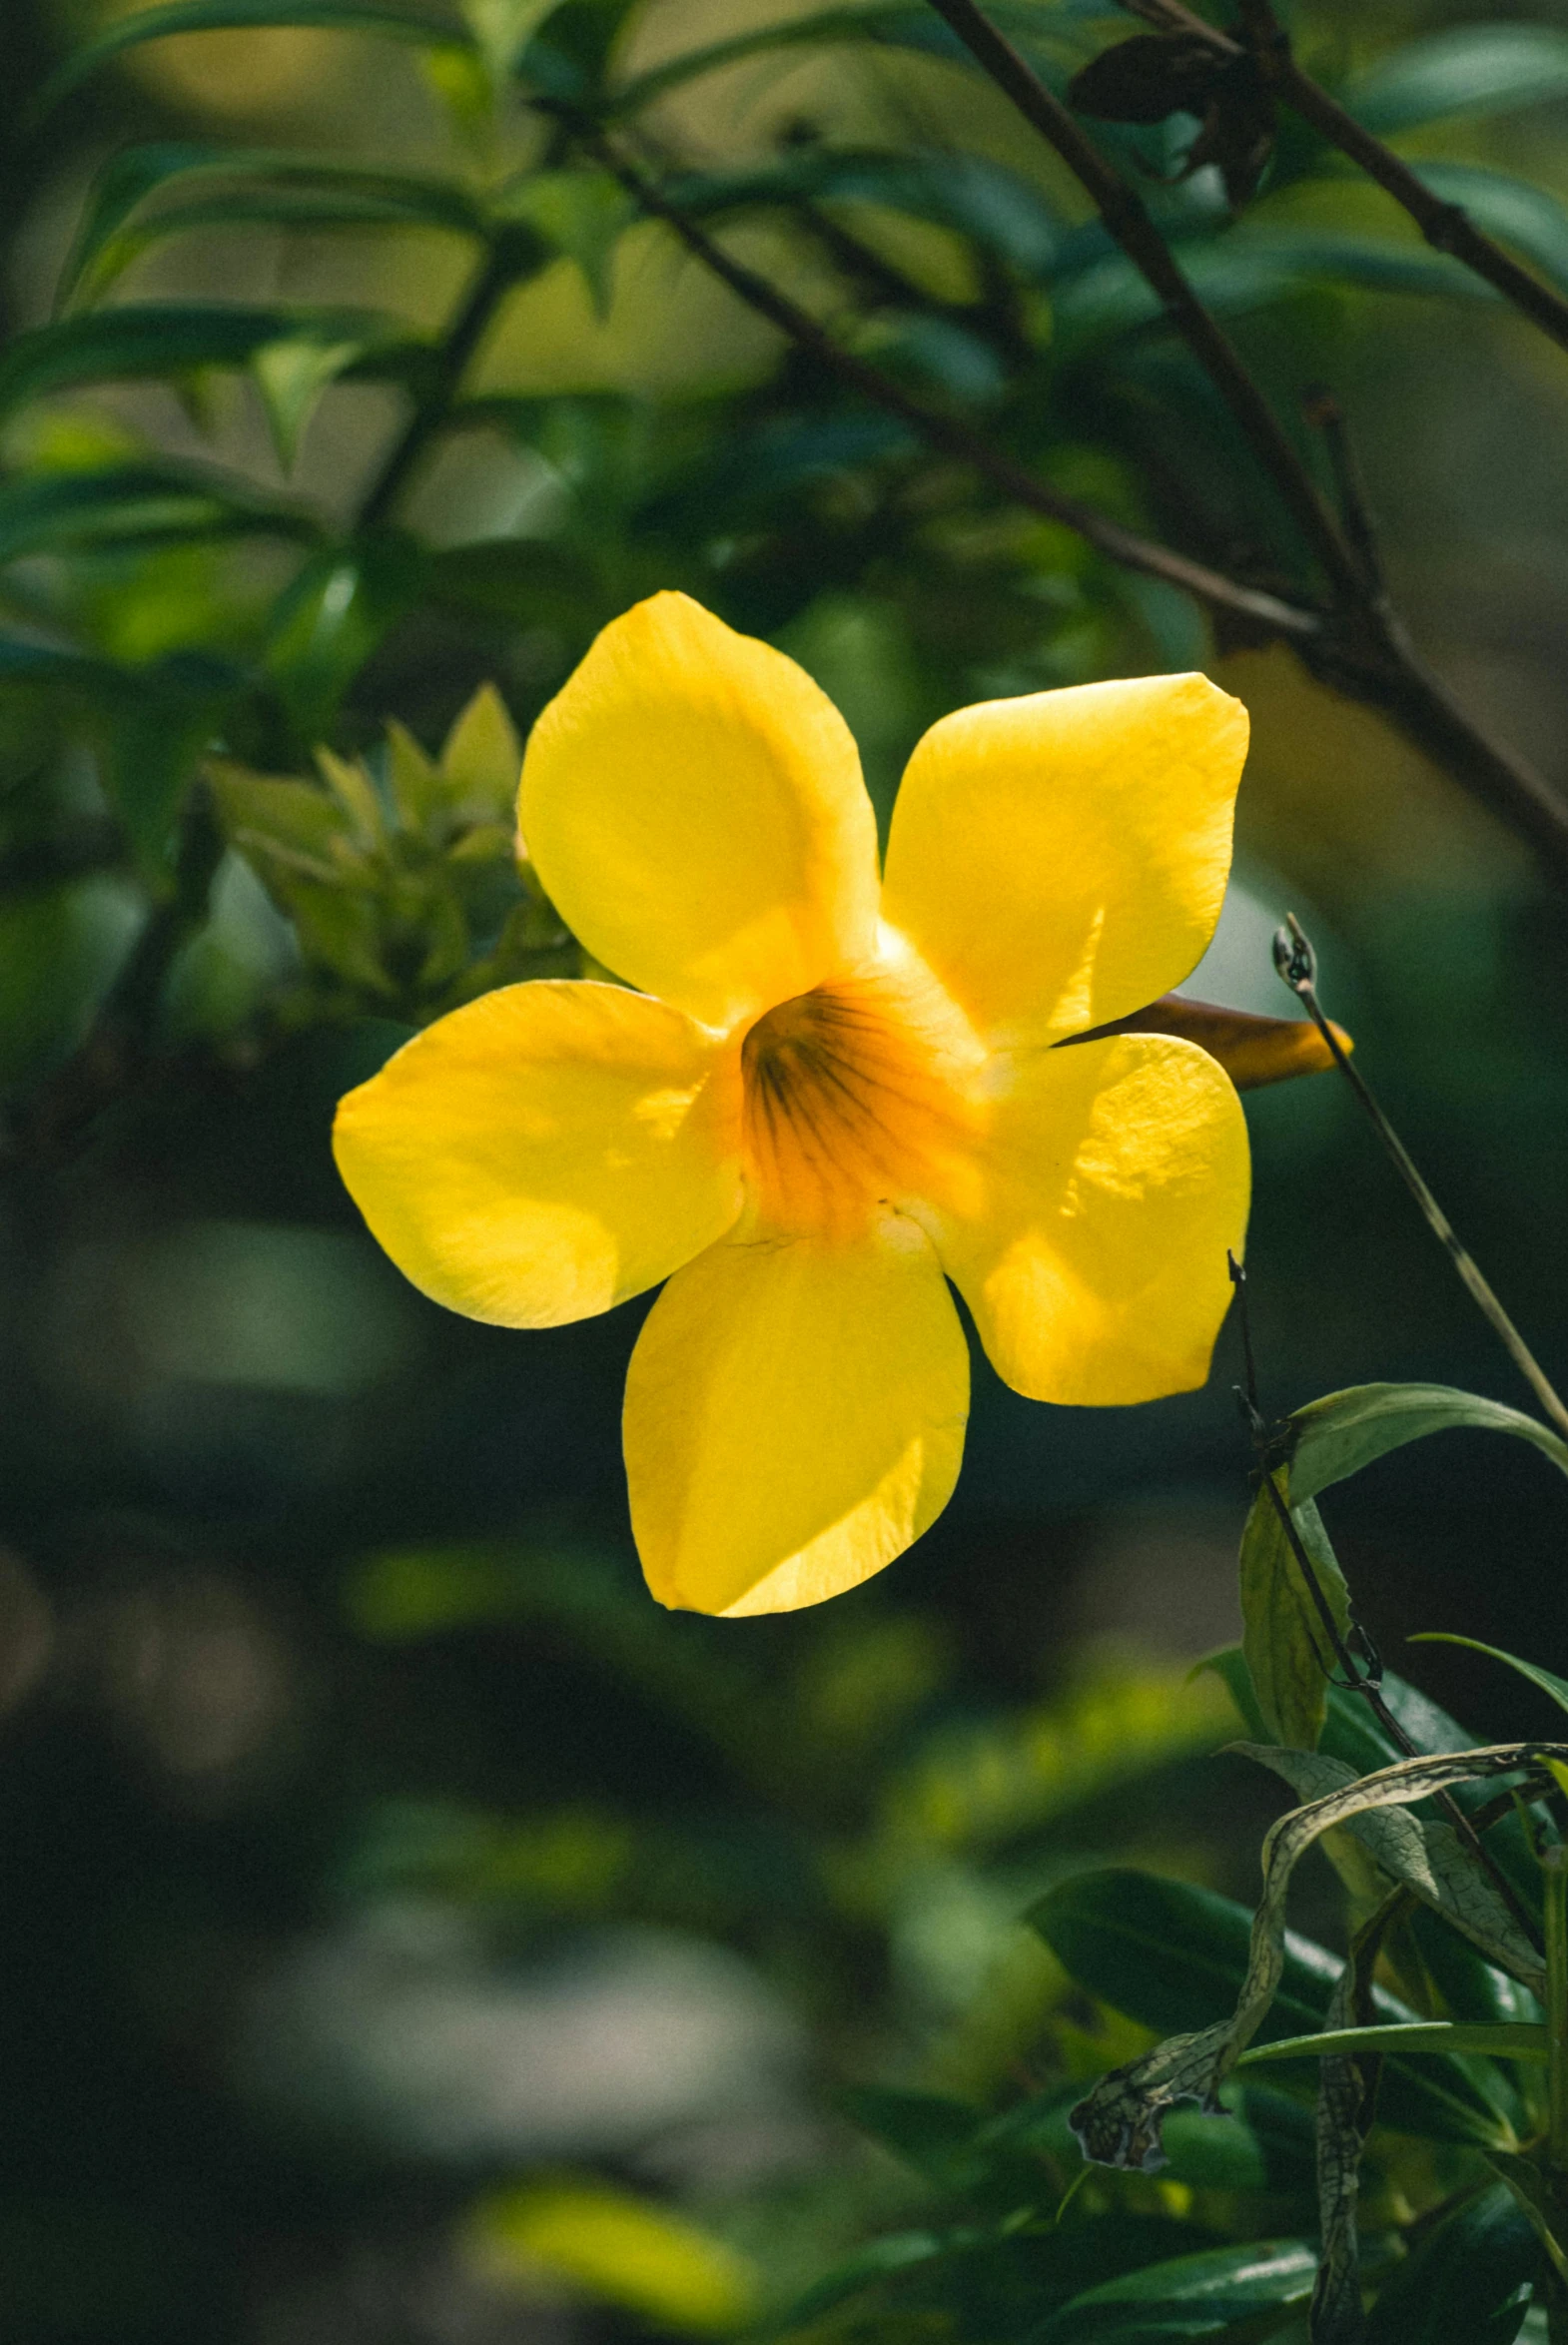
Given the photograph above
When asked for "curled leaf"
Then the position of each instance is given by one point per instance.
(1118, 2123)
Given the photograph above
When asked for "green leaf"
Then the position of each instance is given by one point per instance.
(933, 2134)
(1488, 2040)
(612, 2247)
(481, 761)
(977, 198)
(168, 339)
(881, 2259)
(1526, 217)
(1469, 2278)
(1338, 1436)
(1170, 1955)
(582, 214)
(1119, 2123)
(823, 28)
(277, 188)
(1190, 2296)
(1548, 1680)
(1283, 1639)
(390, 22)
(1539, 2201)
(135, 505)
(1245, 271)
(1426, 1857)
(1471, 69)
(333, 616)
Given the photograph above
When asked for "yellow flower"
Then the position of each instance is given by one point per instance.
(828, 1096)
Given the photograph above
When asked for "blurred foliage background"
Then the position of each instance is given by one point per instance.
(411, 1934)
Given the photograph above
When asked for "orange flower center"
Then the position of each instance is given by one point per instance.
(855, 1099)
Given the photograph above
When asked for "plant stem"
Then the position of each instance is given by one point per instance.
(1364, 651)
(1126, 216)
(1446, 226)
(1297, 965)
(1554, 1868)
(496, 272)
(1358, 1682)
(1134, 551)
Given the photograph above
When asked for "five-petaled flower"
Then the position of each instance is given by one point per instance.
(834, 1092)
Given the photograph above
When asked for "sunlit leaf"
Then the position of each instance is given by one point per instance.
(482, 760)
(1284, 1637)
(1338, 1436)
(389, 19)
(1470, 69)
(619, 2249)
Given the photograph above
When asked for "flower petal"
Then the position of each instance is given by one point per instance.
(545, 1152)
(1061, 859)
(695, 807)
(795, 1416)
(1116, 1176)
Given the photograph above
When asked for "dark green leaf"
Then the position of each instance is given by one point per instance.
(1539, 2199)
(1174, 1957)
(391, 22)
(1191, 2296)
(1471, 69)
(1338, 1436)
(141, 503)
(881, 2259)
(260, 187)
(1289, 1654)
(1469, 2279)
(931, 2133)
(168, 339)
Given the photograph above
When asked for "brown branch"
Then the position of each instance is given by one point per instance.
(1126, 216)
(1365, 650)
(1370, 661)
(1446, 226)
(940, 431)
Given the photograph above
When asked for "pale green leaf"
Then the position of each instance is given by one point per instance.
(482, 760)
(1470, 69)
(1478, 2038)
(1282, 1634)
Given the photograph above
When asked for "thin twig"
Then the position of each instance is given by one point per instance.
(1366, 652)
(1297, 965)
(1446, 226)
(496, 274)
(1293, 620)
(1126, 216)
